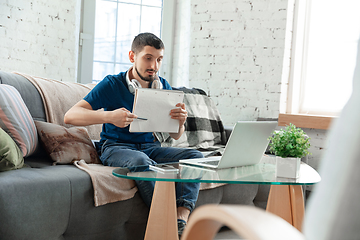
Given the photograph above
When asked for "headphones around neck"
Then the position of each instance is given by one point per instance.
(134, 84)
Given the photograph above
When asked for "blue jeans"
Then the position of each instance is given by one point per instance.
(128, 154)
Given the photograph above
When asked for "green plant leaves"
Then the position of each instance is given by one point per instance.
(289, 142)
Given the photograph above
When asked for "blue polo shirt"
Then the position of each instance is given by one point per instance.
(113, 93)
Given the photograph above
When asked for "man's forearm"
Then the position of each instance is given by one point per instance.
(79, 116)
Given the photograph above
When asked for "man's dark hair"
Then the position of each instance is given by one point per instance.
(146, 39)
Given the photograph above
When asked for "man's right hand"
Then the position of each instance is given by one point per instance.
(122, 117)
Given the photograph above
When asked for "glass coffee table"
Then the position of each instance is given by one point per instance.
(285, 197)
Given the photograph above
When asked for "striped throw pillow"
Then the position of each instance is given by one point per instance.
(16, 120)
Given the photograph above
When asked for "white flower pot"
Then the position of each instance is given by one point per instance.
(287, 167)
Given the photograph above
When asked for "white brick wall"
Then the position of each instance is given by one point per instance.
(40, 37)
(236, 55)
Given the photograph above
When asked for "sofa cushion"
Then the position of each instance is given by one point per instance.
(16, 120)
(35, 203)
(66, 145)
(10, 154)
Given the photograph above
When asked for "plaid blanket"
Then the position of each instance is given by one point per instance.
(203, 128)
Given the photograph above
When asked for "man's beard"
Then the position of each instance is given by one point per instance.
(147, 79)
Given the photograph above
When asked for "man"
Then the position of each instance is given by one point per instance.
(120, 148)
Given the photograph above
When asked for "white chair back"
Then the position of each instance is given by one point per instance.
(333, 211)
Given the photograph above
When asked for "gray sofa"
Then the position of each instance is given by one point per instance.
(49, 202)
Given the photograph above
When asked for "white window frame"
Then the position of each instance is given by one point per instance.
(290, 111)
(87, 33)
(299, 45)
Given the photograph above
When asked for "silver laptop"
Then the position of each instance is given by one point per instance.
(246, 146)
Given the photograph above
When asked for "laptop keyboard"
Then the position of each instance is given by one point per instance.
(215, 162)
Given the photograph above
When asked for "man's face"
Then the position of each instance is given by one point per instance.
(147, 62)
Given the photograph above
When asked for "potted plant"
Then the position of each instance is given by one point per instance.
(289, 145)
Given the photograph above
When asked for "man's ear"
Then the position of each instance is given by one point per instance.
(131, 56)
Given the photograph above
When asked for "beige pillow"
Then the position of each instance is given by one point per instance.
(66, 145)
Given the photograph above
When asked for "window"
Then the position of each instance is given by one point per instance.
(324, 48)
(109, 26)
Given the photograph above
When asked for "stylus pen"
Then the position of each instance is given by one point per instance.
(142, 118)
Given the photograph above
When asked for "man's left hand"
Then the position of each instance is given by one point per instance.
(179, 113)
